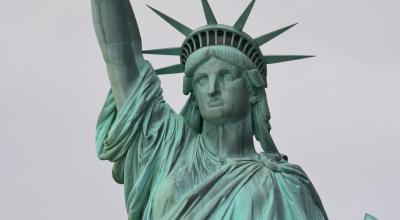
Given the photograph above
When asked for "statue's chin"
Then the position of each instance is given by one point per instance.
(219, 116)
(215, 115)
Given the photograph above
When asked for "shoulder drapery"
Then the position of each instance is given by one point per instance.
(143, 139)
(244, 189)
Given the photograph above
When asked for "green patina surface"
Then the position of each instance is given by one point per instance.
(201, 163)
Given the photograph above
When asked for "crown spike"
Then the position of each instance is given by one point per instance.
(177, 25)
(243, 18)
(267, 37)
(282, 58)
(177, 68)
(174, 51)
(210, 17)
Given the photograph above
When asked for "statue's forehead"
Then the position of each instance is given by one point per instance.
(214, 64)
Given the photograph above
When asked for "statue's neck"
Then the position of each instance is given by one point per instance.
(230, 140)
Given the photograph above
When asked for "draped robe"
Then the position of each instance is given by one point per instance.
(169, 172)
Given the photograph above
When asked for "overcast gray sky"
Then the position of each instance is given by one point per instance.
(336, 115)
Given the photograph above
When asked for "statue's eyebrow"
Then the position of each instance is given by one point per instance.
(224, 70)
(234, 72)
(199, 75)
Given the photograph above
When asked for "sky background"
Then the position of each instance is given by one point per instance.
(336, 115)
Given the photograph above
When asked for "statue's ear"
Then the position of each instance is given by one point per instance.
(187, 85)
(254, 95)
(254, 78)
(254, 82)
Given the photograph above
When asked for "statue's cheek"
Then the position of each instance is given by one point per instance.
(237, 89)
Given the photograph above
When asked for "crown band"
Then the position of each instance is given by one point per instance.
(222, 35)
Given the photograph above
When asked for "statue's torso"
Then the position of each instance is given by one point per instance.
(199, 177)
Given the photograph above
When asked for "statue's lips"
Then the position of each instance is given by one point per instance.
(215, 103)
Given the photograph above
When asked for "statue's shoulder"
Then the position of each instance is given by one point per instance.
(276, 169)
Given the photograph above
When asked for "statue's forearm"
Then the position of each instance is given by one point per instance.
(119, 38)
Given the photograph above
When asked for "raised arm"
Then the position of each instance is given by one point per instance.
(120, 42)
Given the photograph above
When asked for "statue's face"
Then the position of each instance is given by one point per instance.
(221, 92)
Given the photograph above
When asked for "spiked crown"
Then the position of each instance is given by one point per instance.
(219, 34)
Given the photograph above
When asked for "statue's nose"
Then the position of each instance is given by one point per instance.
(213, 86)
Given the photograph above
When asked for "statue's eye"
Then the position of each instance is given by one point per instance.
(202, 80)
(226, 75)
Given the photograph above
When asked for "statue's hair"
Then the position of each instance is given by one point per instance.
(228, 54)
(258, 101)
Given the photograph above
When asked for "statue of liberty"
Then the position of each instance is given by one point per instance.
(201, 163)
